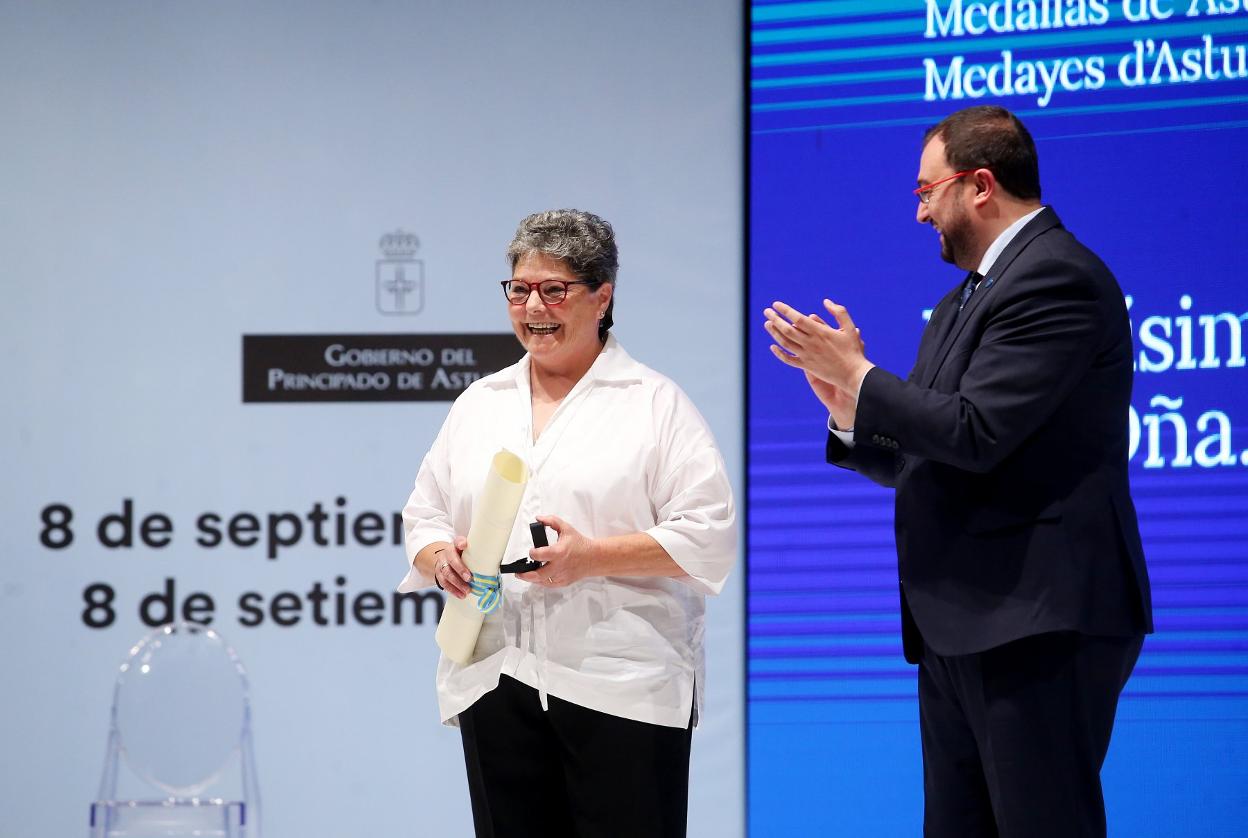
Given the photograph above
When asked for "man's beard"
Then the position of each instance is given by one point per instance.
(955, 236)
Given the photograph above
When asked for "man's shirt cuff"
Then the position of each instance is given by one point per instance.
(846, 437)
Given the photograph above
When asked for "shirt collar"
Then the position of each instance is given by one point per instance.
(1002, 241)
(613, 365)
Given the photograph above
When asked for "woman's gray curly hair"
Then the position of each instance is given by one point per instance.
(581, 240)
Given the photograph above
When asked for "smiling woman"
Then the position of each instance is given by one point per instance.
(557, 316)
(555, 252)
(588, 674)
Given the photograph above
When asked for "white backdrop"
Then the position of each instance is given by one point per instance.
(177, 175)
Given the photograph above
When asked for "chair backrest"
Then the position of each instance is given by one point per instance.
(181, 722)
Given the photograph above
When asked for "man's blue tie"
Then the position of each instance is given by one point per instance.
(972, 279)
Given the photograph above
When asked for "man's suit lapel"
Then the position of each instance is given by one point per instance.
(1046, 220)
(937, 330)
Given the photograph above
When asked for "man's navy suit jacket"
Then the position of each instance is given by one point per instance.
(1008, 446)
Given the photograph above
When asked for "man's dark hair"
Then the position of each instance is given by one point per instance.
(990, 137)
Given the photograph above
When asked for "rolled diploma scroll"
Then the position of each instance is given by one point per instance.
(493, 516)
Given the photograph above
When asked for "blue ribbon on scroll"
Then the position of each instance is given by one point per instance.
(488, 590)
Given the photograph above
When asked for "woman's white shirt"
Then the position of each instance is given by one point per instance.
(625, 452)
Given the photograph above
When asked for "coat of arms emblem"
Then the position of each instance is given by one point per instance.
(400, 277)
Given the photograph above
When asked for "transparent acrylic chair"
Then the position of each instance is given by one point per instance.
(181, 724)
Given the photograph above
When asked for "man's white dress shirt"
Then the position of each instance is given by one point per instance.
(625, 452)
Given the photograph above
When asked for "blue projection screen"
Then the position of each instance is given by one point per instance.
(1140, 112)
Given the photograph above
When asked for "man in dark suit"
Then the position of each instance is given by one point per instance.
(1024, 595)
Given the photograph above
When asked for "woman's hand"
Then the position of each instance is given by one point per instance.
(567, 560)
(449, 570)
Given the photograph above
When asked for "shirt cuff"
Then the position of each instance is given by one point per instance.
(846, 437)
